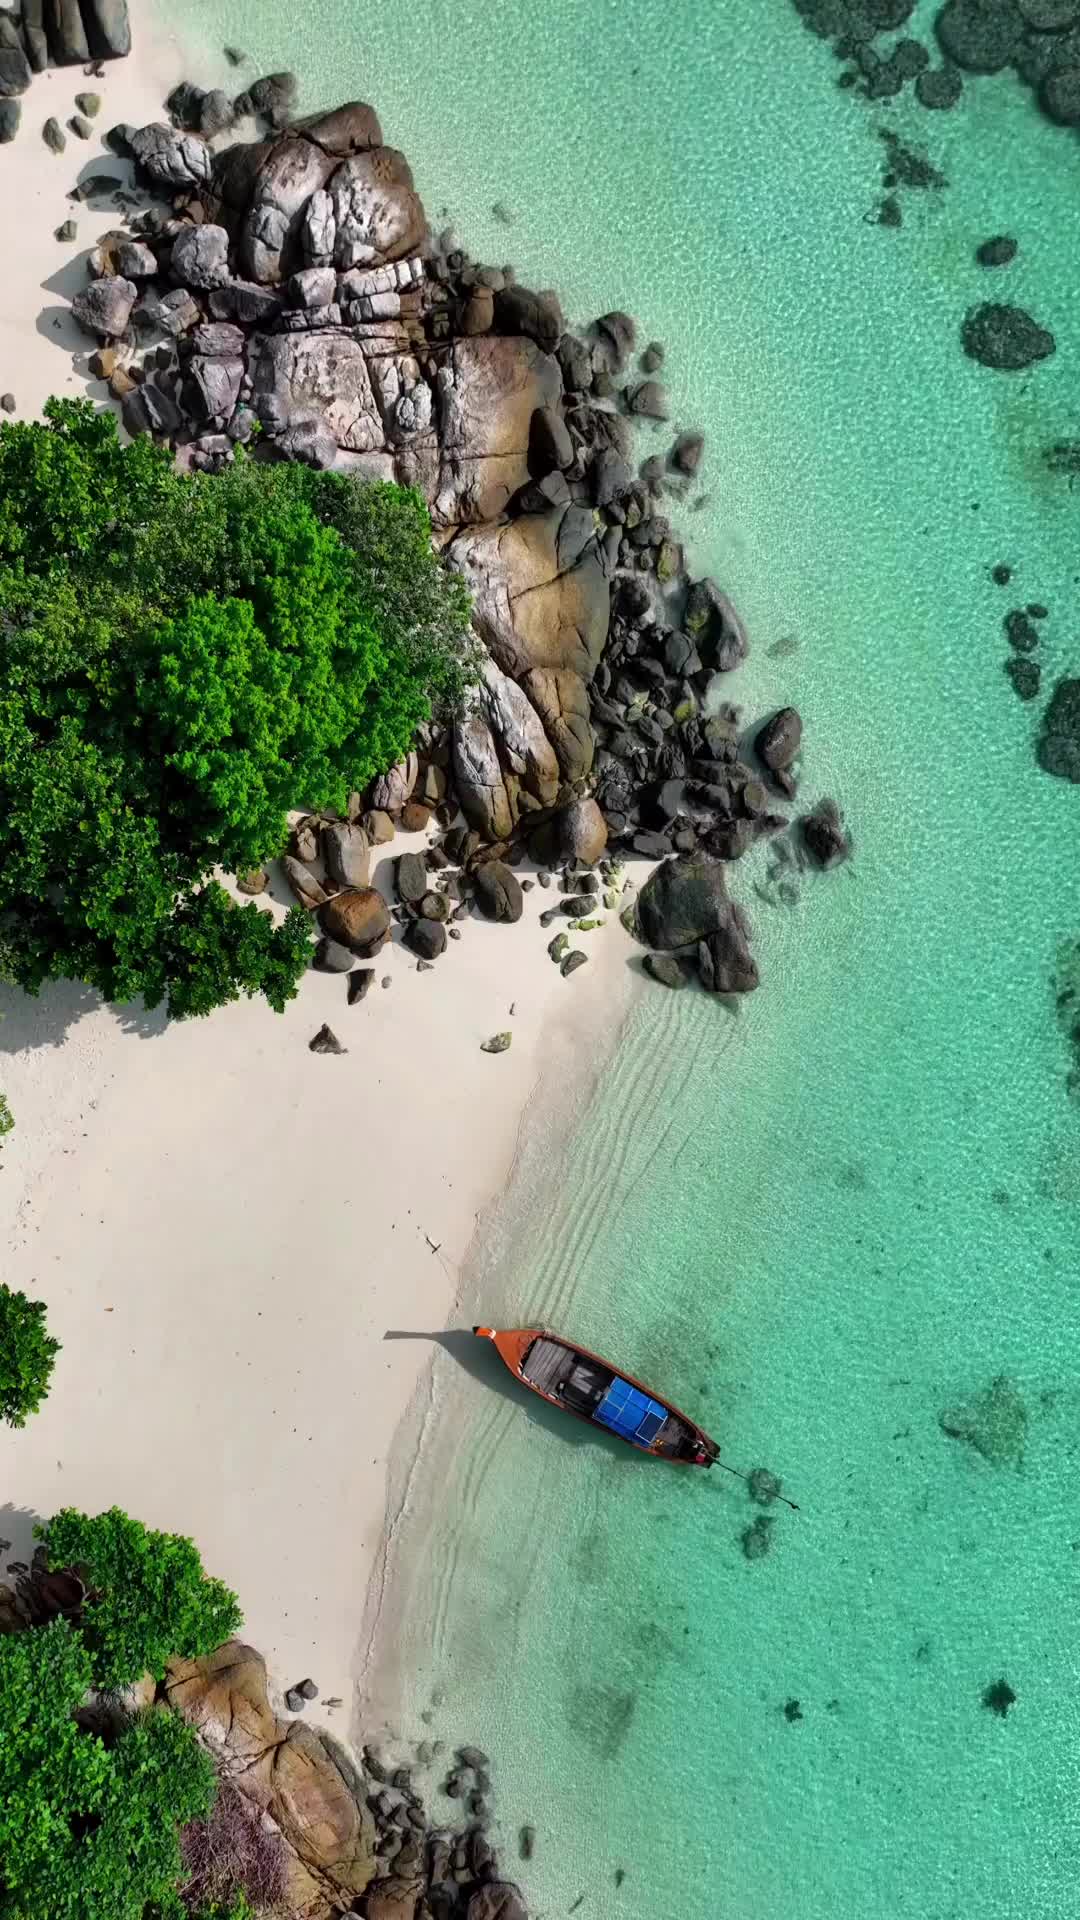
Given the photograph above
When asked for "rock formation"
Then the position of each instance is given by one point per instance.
(291, 284)
(357, 1835)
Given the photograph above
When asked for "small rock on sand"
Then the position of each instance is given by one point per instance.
(498, 1043)
(325, 1041)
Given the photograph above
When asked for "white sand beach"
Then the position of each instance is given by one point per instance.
(225, 1228)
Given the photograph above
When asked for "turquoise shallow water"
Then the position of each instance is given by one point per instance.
(824, 1221)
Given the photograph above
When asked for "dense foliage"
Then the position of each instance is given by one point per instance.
(182, 659)
(27, 1355)
(7, 1118)
(88, 1828)
(152, 1598)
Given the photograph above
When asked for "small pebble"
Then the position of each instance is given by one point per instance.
(81, 126)
(7, 401)
(294, 1700)
(234, 56)
(53, 135)
(88, 104)
(385, 981)
(67, 230)
(498, 1043)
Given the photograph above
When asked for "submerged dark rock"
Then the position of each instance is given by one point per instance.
(1059, 744)
(998, 1697)
(1021, 631)
(1005, 338)
(980, 35)
(1026, 676)
(997, 251)
(938, 88)
(823, 835)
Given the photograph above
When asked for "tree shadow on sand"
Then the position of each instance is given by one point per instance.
(17, 1534)
(46, 1021)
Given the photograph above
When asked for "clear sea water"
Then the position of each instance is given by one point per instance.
(822, 1222)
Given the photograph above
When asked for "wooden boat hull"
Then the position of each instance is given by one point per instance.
(586, 1385)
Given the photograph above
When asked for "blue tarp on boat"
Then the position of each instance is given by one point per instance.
(633, 1414)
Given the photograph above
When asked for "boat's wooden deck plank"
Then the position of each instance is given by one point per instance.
(548, 1365)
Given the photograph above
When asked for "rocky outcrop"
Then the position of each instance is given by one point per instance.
(682, 902)
(308, 300)
(224, 1697)
(284, 1770)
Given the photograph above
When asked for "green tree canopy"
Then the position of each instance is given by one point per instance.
(27, 1354)
(154, 1599)
(183, 658)
(88, 1828)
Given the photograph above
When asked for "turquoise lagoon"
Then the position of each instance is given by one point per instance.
(855, 1205)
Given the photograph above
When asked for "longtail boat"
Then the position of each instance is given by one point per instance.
(592, 1389)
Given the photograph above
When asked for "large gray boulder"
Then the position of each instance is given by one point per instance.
(498, 891)
(323, 373)
(353, 128)
(172, 158)
(378, 215)
(174, 313)
(105, 306)
(67, 35)
(318, 230)
(561, 699)
(682, 902)
(200, 257)
(211, 386)
(581, 833)
(15, 74)
(715, 626)
(108, 29)
(540, 593)
(725, 962)
(488, 798)
(346, 852)
(293, 170)
(524, 748)
(35, 38)
(488, 390)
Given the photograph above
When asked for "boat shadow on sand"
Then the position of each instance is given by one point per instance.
(480, 1359)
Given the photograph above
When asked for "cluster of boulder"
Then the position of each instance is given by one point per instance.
(1038, 39)
(42, 33)
(292, 284)
(357, 1836)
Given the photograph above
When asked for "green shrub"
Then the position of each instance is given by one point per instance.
(88, 1831)
(153, 1598)
(27, 1356)
(182, 659)
(7, 1118)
